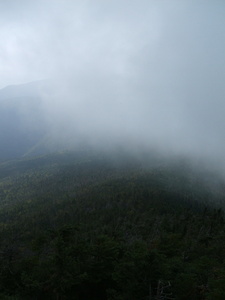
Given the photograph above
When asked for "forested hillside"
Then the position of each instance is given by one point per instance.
(112, 150)
(87, 225)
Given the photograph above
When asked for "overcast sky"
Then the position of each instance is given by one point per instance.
(148, 71)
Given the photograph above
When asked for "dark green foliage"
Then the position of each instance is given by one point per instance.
(82, 227)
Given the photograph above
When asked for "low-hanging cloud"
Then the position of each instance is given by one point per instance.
(149, 72)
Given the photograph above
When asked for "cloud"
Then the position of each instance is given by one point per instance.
(150, 72)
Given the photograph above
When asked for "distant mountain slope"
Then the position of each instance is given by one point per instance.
(22, 122)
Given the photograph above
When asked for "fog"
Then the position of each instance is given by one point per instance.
(133, 73)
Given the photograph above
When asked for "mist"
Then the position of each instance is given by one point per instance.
(142, 75)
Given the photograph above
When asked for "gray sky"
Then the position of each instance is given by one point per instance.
(148, 72)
